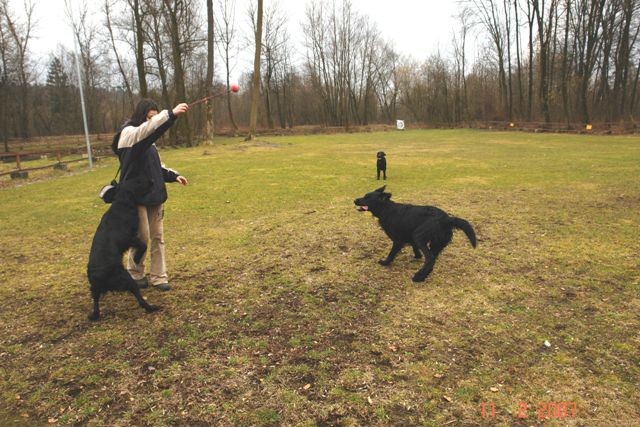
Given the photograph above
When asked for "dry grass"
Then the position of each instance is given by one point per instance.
(281, 316)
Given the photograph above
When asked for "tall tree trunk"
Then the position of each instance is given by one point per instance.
(4, 79)
(209, 78)
(178, 75)
(565, 62)
(623, 63)
(507, 20)
(544, 36)
(255, 84)
(591, 41)
(518, 60)
(530, 21)
(634, 92)
(139, 31)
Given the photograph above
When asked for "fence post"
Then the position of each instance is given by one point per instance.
(18, 161)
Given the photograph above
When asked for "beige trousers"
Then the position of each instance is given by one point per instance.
(150, 231)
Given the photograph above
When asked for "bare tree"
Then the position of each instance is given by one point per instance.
(182, 34)
(518, 59)
(627, 38)
(139, 40)
(544, 37)
(209, 129)
(91, 57)
(20, 35)
(507, 27)
(530, 26)
(587, 27)
(276, 65)
(6, 52)
(107, 8)
(634, 89)
(366, 46)
(156, 40)
(566, 71)
(226, 43)
(459, 46)
(255, 83)
(287, 78)
(315, 30)
(488, 14)
(334, 37)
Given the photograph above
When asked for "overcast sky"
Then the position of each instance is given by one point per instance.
(415, 27)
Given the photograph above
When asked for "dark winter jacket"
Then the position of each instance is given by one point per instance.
(135, 146)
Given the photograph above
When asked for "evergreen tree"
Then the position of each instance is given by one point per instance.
(58, 91)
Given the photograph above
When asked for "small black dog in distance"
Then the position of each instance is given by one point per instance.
(426, 228)
(115, 234)
(381, 164)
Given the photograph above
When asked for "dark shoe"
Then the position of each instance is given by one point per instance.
(142, 283)
(162, 287)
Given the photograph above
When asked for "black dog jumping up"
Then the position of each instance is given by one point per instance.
(115, 234)
(426, 228)
(381, 164)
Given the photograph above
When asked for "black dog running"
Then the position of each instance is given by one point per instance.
(426, 228)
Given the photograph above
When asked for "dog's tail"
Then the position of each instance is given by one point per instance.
(466, 227)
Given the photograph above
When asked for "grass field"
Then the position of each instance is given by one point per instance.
(280, 315)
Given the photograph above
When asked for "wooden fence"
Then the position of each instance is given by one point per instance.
(56, 155)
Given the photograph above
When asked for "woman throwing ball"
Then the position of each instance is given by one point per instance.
(134, 144)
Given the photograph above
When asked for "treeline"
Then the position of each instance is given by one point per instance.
(556, 61)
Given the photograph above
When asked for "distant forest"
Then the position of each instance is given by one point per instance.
(564, 63)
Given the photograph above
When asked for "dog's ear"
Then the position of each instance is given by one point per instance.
(386, 196)
(381, 189)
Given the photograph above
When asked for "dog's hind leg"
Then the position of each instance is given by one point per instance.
(95, 313)
(132, 286)
(395, 249)
(431, 251)
(431, 241)
(427, 268)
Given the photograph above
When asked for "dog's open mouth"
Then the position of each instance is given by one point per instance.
(362, 208)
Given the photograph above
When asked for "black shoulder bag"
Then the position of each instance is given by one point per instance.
(108, 192)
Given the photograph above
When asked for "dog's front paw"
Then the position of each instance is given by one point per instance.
(152, 308)
(419, 277)
(93, 316)
(384, 262)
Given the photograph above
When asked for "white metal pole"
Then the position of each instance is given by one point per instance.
(84, 110)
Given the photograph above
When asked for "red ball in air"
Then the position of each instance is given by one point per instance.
(235, 88)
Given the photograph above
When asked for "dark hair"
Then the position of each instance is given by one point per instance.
(139, 115)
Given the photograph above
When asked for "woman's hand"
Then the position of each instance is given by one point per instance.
(180, 108)
(182, 180)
